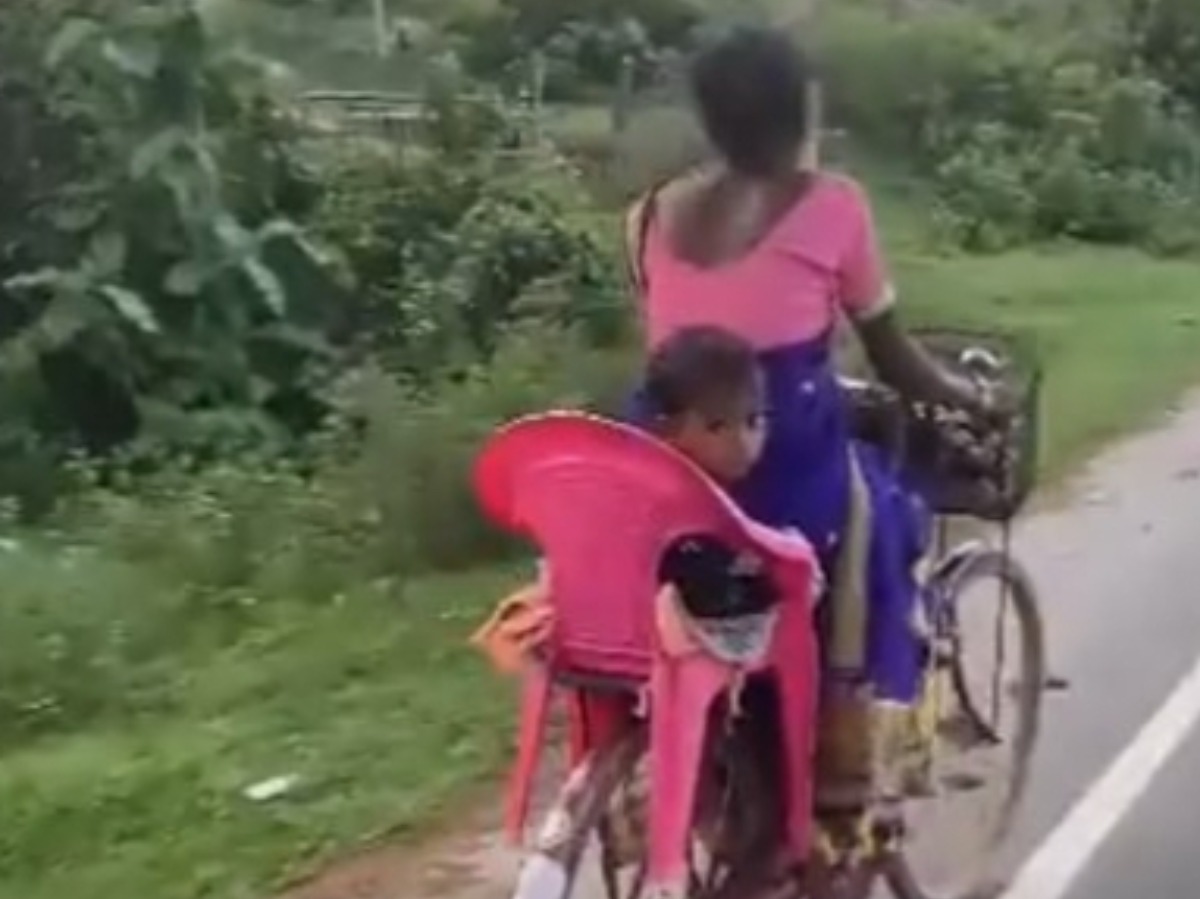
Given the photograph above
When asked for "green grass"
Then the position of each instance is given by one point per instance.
(375, 706)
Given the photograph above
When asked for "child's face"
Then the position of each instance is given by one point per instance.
(725, 439)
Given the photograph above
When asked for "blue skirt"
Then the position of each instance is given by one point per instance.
(802, 481)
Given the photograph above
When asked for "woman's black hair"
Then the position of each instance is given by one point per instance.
(751, 87)
(698, 367)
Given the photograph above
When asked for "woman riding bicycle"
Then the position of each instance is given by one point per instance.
(777, 254)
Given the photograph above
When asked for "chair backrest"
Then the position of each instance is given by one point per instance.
(603, 501)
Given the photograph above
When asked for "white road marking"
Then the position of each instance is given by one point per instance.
(1054, 866)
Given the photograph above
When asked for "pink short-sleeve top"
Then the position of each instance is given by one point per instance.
(819, 261)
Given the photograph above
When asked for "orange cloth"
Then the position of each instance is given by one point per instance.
(523, 621)
(519, 625)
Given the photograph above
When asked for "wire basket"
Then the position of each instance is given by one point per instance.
(962, 466)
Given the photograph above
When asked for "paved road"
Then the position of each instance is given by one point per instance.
(1112, 813)
(1153, 851)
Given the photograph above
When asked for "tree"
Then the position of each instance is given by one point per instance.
(1164, 38)
(152, 277)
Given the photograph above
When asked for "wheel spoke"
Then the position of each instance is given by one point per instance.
(638, 884)
(635, 877)
(999, 657)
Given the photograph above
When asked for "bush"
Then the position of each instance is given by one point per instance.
(419, 449)
(584, 44)
(138, 573)
(162, 296)
(914, 86)
(84, 638)
(1022, 140)
(985, 202)
(152, 270)
(380, 496)
(448, 256)
(659, 142)
(1163, 36)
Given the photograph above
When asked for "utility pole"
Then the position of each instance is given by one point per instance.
(383, 39)
(810, 153)
(622, 103)
(537, 93)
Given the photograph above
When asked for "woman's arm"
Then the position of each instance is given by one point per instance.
(902, 363)
(869, 301)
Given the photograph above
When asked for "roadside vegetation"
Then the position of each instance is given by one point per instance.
(245, 365)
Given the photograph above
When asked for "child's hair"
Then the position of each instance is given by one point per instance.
(699, 367)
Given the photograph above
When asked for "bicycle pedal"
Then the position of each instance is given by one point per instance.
(918, 784)
(961, 733)
(963, 782)
(1055, 683)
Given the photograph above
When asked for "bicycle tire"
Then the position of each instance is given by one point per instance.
(899, 874)
(552, 867)
(579, 814)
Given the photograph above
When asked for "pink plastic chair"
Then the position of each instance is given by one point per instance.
(603, 501)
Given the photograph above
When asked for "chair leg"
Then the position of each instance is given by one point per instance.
(535, 707)
(682, 694)
(594, 721)
(798, 676)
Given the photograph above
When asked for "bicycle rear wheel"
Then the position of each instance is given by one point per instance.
(738, 820)
(571, 822)
(986, 734)
(601, 813)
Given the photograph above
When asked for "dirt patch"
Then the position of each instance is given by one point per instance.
(467, 859)
(465, 867)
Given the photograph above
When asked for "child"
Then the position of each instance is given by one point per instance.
(703, 395)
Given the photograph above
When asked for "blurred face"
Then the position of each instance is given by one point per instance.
(724, 438)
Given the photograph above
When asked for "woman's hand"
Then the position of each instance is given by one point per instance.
(995, 403)
(904, 365)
